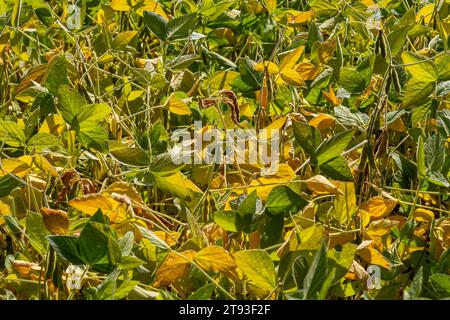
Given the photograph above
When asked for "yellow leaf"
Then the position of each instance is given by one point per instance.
(169, 238)
(53, 124)
(125, 189)
(307, 71)
(274, 126)
(379, 207)
(271, 5)
(56, 221)
(178, 106)
(215, 259)
(153, 6)
(178, 185)
(345, 203)
(397, 125)
(90, 203)
(331, 97)
(322, 121)
(258, 267)
(42, 163)
(371, 255)
(340, 238)
(175, 266)
(302, 17)
(425, 13)
(321, 185)
(263, 185)
(287, 65)
(104, 15)
(267, 65)
(292, 77)
(120, 5)
(326, 50)
(14, 166)
(423, 215)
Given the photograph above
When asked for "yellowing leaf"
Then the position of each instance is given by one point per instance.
(90, 203)
(345, 203)
(379, 207)
(169, 238)
(321, 185)
(53, 124)
(307, 71)
(263, 185)
(125, 189)
(257, 266)
(423, 215)
(287, 67)
(421, 70)
(322, 121)
(425, 13)
(326, 50)
(271, 5)
(215, 259)
(153, 6)
(14, 166)
(120, 5)
(273, 127)
(267, 65)
(178, 106)
(56, 221)
(372, 255)
(331, 97)
(178, 185)
(175, 266)
(42, 163)
(302, 17)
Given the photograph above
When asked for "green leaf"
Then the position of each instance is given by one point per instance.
(337, 169)
(154, 239)
(352, 80)
(333, 147)
(94, 113)
(415, 287)
(342, 260)
(11, 134)
(282, 200)
(42, 141)
(8, 184)
(249, 205)
(397, 40)
(67, 247)
(441, 284)
(123, 39)
(227, 220)
(156, 24)
(56, 75)
(163, 163)
(36, 231)
(181, 27)
(308, 137)
(70, 103)
(110, 289)
(135, 157)
(93, 135)
(203, 293)
(417, 92)
(93, 244)
(316, 275)
(258, 268)
(130, 262)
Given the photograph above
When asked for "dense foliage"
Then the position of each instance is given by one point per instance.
(92, 205)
